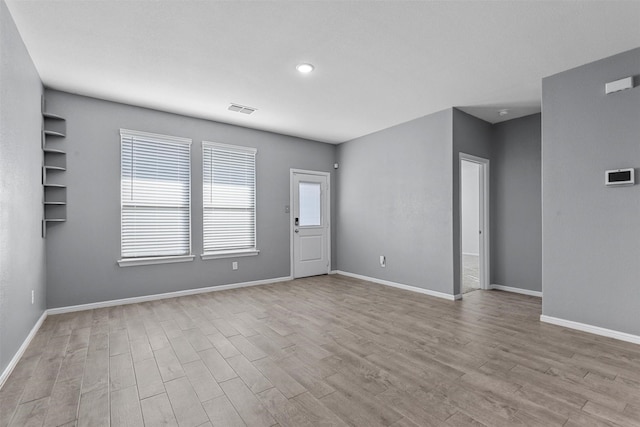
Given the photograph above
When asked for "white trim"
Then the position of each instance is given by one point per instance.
(469, 253)
(516, 290)
(135, 300)
(155, 136)
(485, 280)
(292, 172)
(230, 254)
(333, 272)
(472, 158)
(402, 286)
(132, 262)
(250, 150)
(622, 336)
(16, 357)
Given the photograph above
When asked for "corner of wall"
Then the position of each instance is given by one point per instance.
(22, 254)
(591, 231)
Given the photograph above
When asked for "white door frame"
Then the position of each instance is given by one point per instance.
(291, 217)
(484, 217)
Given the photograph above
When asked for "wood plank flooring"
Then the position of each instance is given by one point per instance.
(328, 350)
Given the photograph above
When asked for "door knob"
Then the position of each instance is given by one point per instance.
(296, 230)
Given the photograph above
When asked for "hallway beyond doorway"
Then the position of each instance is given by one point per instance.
(470, 273)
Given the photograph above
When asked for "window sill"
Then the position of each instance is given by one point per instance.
(132, 262)
(230, 254)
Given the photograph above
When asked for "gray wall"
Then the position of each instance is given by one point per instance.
(411, 214)
(395, 199)
(470, 136)
(591, 233)
(516, 199)
(82, 252)
(22, 254)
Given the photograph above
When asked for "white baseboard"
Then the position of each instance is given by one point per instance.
(333, 272)
(16, 357)
(623, 336)
(401, 286)
(516, 290)
(135, 300)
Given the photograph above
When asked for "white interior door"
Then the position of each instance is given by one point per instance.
(474, 223)
(310, 223)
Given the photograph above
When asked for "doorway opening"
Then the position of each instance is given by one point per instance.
(474, 228)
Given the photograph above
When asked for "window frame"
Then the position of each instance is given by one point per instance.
(238, 252)
(160, 259)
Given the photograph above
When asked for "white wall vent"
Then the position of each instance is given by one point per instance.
(242, 109)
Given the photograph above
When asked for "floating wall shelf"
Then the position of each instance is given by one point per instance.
(53, 150)
(52, 116)
(54, 164)
(54, 133)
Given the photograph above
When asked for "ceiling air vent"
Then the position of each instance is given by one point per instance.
(241, 109)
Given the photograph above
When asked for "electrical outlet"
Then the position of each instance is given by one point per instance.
(33, 297)
(383, 261)
(234, 265)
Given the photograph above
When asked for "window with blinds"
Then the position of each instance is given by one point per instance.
(229, 198)
(155, 195)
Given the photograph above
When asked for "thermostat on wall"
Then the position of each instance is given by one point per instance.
(619, 177)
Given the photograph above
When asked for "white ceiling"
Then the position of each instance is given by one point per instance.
(378, 63)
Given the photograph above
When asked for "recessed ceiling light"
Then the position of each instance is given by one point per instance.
(305, 68)
(503, 112)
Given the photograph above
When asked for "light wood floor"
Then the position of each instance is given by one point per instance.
(470, 273)
(324, 351)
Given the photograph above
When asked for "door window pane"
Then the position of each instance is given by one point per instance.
(310, 204)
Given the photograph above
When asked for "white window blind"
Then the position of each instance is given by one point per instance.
(155, 195)
(229, 197)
